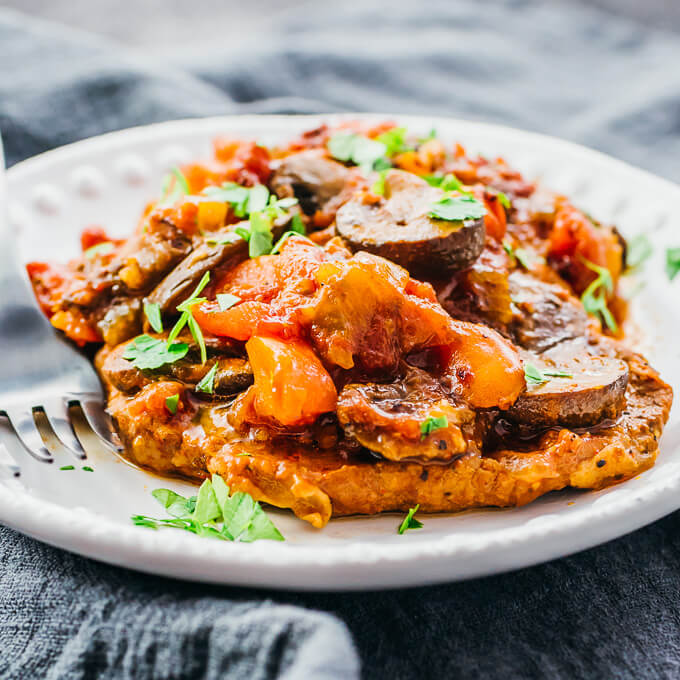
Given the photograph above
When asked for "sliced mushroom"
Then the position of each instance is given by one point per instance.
(592, 389)
(311, 178)
(546, 314)
(388, 419)
(211, 254)
(400, 228)
(122, 321)
(233, 373)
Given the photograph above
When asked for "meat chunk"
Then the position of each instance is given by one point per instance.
(392, 419)
(400, 228)
(577, 393)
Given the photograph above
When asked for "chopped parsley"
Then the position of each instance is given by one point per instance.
(225, 240)
(248, 200)
(504, 200)
(175, 186)
(188, 319)
(534, 376)
(378, 187)
(394, 141)
(457, 208)
(638, 249)
(527, 257)
(448, 182)
(87, 468)
(103, 248)
(67, 467)
(410, 522)
(432, 134)
(261, 239)
(432, 423)
(240, 516)
(672, 262)
(227, 301)
(171, 403)
(147, 353)
(284, 237)
(152, 311)
(369, 154)
(594, 297)
(207, 382)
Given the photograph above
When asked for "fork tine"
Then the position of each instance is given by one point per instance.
(100, 422)
(56, 412)
(25, 428)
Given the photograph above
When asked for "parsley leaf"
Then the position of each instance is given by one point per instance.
(152, 311)
(394, 141)
(672, 262)
(175, 186)
(187, 317)
(448, 182)
(639, 249)
(242, 518)
(225, 240)
(533, 375)
(430, 424)
(367, 153)
(103, 248)
(147, 353)
(378, 187)
(410, 522)
(284, 237)
(227, 301)
(171, 403)
(67, 467)
(207, 382)
(594, 297)
(261, 238)
(528, 258)
(505, 201)
(457, 208)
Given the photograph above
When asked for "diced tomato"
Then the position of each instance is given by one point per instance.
(47, 281)
(574, 238)
(92, 236)
(292, 387)
(75, 327)
(238, 322)
(484, 367)
(151, 400)
(495, 218)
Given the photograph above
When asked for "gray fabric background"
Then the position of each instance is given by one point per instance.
(563, 69)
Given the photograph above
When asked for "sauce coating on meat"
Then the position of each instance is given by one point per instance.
(360, 321)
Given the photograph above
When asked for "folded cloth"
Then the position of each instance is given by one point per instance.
(558, 68)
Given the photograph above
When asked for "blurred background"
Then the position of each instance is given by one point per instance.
(162, 27)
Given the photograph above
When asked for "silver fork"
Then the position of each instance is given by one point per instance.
(40, 371)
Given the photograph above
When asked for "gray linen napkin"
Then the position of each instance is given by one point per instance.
(558, 68)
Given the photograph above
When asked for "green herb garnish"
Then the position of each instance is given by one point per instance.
(175, 186)
(457, 208)
(448, 182)
(147, 353)
(261, 238)
(672, 262)
(430, 424)
(367, 153)
(410, 522)
(528, 258)
(103, 248)
(534, 376)
(594, 297)
(227, 301)
(241, 517)
(638, 249)
(225, 240)
(394, 141)
(87, 468)
(171, 403)
(432, 134)
(504, 200)
(67, 467)
(152, 311)
(378, 187)
(188, 319)
(207, 382)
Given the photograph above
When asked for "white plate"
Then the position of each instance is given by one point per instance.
(107, 180)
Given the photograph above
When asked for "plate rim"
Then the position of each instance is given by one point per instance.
(338, 567)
